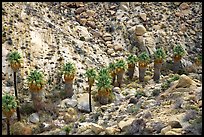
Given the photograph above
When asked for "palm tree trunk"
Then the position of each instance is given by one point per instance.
(69, 91)
(90, 98)
(131, 71)
(113, 80)
(157, 68)
(120, 78)
(142, 73)
(15, 88)
(103, 99)
(8, 126)
(176, 66)
(37, 98)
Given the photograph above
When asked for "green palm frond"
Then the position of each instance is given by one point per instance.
(36, 77)
(14, 57)
(132, 59)
(178, 50)
(69, 68)
(8, 102)
(91, 73)
(144, 57)
(112, 67)
(159, 54)
(104, 79)
(103, 71)
(121, 64)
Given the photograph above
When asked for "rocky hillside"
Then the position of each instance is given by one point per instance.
(93, 34)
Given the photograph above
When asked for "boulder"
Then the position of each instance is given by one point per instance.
(83, 102)
(125, 123)
(143, 16)
(137, 127)
(171, 133)
(184, 82)
(68, 102)
(90, 13)
(91, 24)
(175, 124)
(110, 51)
(80, 10)
(111, 130)
(184, 6)
(140, 30)
(165, 130)
(34, 118)
(83, 32)
(118, 47)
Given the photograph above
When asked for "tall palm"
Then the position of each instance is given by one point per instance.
(91, 74)
(15, 60)
(9, 105)
(36, 82)
(104, 86)
(143, 62)
(121, 66)
(159, 56)
(69, 71)
(131, 60)
(178, 52)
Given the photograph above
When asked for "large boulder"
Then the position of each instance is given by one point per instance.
(140, 30)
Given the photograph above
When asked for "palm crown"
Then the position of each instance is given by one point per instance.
(178, 50)
(159, 54)
(91, 73)
(132, 59)
(144, 57)
(8, 102)
(121, 64)
(36, 77)
(14, 57)
(112, 67)
(104, 79)
(69, 69)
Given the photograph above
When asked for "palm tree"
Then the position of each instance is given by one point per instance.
(131, 60)
(179, 52)
(159, 55)
(35, 83)
(69, 71)
(91, 74)
(15, 62)
(9, 105)
(112, 70)
(121, 66)
(104, 86)
(143, 61)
